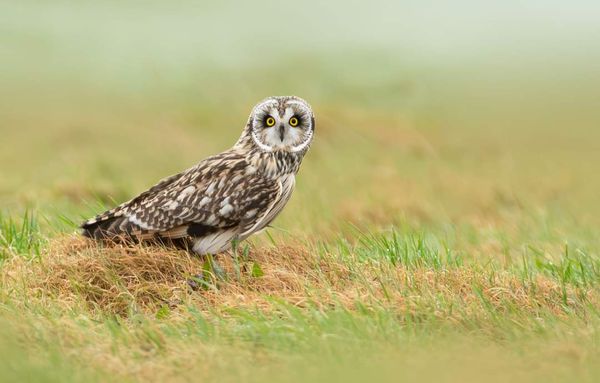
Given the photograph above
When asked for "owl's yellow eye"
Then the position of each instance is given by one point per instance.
(294, 121)
(270, 121)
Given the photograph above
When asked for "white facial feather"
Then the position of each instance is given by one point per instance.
(269, 138)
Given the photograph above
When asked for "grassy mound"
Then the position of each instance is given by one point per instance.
(334, 308)
(412, 280)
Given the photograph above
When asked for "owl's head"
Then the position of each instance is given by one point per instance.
(281, 124)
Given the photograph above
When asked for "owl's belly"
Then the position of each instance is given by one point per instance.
(221, 241)
(216, 242)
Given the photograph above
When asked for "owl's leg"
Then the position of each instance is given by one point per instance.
(210, 275)
(197, 282)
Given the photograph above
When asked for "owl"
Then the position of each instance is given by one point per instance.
(226, 197)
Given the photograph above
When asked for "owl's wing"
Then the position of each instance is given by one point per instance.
(219, 193)
(205, 207)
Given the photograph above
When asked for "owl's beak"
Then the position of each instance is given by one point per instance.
(281, 132)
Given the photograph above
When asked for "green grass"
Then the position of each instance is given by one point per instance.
(19, 237)
(444, 224)
(383, 302)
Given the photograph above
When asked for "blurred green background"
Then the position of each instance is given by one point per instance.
(429, 113)
(473, 128)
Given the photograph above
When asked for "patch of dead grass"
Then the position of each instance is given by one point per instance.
(122, 280)
(78, 276)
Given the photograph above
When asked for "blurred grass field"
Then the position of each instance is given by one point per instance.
(445, 224)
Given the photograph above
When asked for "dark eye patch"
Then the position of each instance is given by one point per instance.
(269, 121)
(302, 118)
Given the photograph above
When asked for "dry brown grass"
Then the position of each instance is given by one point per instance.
(79, 286)
(123, 280)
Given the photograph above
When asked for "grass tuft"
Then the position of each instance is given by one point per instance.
(19, 237)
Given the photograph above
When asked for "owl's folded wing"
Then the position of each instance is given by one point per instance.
(196, 211)
(193, 203)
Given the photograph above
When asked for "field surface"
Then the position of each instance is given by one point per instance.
(445, 225)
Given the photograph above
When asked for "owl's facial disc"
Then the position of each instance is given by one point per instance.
(282, 124)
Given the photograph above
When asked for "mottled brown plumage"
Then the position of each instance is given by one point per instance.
(225, 197)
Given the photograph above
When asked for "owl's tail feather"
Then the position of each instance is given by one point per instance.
(120, 230)
(116, 228)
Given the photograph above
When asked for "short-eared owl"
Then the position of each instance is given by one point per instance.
(225, 197)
